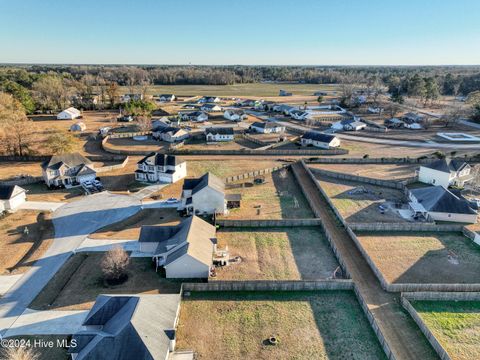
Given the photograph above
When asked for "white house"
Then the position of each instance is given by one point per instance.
(206, 195)
(445, 172)
(68, 170)
(130, 97)
(184, 250)
(320, 140)
(11, 197)
(164, 168)
(355, 126)
(439, 204)
(234, 115)
(267, 127)
(208, 99)
(299, 114)
(195, 116)
(216, 134)
(79, 126)
(167, 97)
(210, 107)
(170, 134)
(69, 114)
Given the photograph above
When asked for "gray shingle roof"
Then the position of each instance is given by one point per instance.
(6, 191)
(132, 327)
(162, 159)
(439, 199)
(220, 131)
(447, 165)
(71, 160)
(205, 180)
(265, 125)
(318, 136)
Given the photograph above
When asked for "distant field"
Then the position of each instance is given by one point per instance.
(257, 89)
(308, 325)
(455, 324)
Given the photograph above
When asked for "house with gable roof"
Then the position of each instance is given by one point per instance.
(68, 170)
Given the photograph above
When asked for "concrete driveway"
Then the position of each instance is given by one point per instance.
(41, 205)
(72, 222)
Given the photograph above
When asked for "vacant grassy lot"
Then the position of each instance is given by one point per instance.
(130, 227)
(360, 148)
(455, 324)
(10, 170)
(309, 325)
(77, 284)
(423, 257)
(57, 352)
(358, 202)
(18, 250)
(279, 197)
(299, 253)
(381, 172)
(246, 90)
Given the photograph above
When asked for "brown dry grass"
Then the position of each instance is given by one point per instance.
(80, 280)
(55, 352)
(40, 192)
(275, 199)
(423, 258)
(18, 251)
(299, 253)
(10, 170)
(130, 227)
(380, 172)
(309, 325)
(361, 207)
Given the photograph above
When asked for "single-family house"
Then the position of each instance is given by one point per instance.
(68, 170)
(69, 114)
(210, 107)
(413, 117)
(394, 123)
(163, 168)
(195, 116)
(11, 197)
(205, 195)
(284, 109)
(167, 97)
(234, 115)
(284, 93)
(216, 134)
(184, 250)
(440, 204)
(340, 125)
(412, 125)
(445, 172)
(208, 99)
(130, 97)
(267, 127)
(170, 134)
(161, 123)
(124, 327)
(355, 126)
(78, 127)
(299, 114)
(320, 140)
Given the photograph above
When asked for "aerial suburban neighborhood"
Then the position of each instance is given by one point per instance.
(183, 181)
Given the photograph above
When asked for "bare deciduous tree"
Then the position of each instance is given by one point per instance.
(114, 264)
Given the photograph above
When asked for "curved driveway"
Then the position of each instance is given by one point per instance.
(72, 222)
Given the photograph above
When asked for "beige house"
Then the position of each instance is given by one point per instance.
(68, 170)
(170, 134)
(184, 250)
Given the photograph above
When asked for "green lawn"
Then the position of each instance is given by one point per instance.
(455, 324)
(308, 325)
(256, 89)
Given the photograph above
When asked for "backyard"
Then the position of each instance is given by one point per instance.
(358, 202)
(381, 171)
(308, 325)
(80, 280)
(19, 249)
(455, 324)
(279, 197)
(439, 257)
(300, 253)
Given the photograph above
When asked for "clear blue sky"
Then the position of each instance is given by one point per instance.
(404, 32)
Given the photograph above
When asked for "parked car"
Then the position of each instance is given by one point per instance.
(171, 201)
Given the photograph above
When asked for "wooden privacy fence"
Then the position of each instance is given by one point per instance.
(408, 227)
(252, 174)
(270, 285)
(268, 222)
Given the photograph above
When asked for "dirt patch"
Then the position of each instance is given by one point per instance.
(437, 258)
(80, 280)
(308, 325)
(276, 254)
(20, 248)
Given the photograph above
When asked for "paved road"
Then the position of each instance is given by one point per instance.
(72, 222)
(402, 335)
